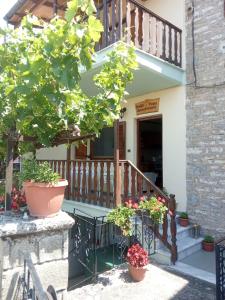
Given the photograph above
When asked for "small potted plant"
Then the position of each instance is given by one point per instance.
(208, 243)
(43, 188)
(137, 258)
(183, 219)
(122, 217)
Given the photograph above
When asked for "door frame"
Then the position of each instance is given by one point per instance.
(158, 116)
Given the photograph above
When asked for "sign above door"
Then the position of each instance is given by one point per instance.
(147, 106)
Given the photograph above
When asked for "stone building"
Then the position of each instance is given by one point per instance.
(172, 128)
(205, 111)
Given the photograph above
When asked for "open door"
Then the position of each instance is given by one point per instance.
(149, 146)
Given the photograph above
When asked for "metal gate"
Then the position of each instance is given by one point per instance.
(220, 270)
(97, 246)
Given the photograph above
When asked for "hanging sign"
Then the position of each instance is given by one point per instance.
(147, 106)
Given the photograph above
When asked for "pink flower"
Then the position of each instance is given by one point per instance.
(135, 206)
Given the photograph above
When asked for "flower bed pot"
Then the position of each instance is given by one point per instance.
(183, 222)
(44, 199)
(208, 247)
(137, 274)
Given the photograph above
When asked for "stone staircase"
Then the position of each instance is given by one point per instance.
(186, 245)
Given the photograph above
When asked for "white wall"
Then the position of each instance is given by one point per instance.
(172, 109)
(57, 153)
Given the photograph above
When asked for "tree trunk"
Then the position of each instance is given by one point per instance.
(9, 172)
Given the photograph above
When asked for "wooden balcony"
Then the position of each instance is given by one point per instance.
(125, 20)
(131, 22)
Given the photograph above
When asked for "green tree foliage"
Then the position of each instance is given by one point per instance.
(40, 71)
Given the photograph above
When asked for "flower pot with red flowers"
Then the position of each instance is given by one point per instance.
(208, 243)
(44, 190)
(183, 219)
(137, 258)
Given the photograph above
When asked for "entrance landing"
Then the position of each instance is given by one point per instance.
(160, 283)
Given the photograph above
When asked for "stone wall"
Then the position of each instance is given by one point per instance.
(205, 107)
(46, 240)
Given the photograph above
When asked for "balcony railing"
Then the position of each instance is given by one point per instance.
(130, 21)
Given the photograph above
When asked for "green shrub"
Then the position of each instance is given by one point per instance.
(183, 215)
(37, 172)
(208, 239)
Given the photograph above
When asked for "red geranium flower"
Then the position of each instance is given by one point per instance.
(137, 256)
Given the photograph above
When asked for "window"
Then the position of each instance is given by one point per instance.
(104, 145)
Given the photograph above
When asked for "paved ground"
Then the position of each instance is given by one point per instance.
(160, 283)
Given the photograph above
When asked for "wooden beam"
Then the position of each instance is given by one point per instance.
(68, 172)
(9, 173)
(36, 4)
(117, 181)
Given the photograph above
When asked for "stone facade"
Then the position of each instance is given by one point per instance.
(205, 108)
(46, 240)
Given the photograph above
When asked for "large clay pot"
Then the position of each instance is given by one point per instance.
(137, 274)
(44, 199)
(208, 247)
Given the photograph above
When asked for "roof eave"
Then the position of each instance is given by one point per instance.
(14, 9)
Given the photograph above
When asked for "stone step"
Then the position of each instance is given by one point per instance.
(185, 247)
(195, 272)
(182, 232)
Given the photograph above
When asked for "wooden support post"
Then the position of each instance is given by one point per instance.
(117, 181)
(55, 8)
(9, 173)
(120, 12)
(173, 228)
(68, 172)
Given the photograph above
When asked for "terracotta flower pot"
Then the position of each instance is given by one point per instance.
(209, 247)
(183, 222)
(43, 199)
(137, 274)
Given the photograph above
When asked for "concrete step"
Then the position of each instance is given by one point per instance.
(182, 232)
(185, 247)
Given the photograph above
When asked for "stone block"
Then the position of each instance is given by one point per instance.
(54, 273)
(14, 250)
(51, 247)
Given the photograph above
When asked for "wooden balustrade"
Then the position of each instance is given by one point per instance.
(93, 182)
(130, 21)
(136, 184)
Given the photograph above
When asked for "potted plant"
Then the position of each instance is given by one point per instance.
(155, 208)
(208, 243)
(137, 258)
(121, 216)
(183, 219)
(43, 188)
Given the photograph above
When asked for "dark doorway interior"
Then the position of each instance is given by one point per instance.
(150, 149)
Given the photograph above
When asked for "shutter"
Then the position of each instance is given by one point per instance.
(81, 151)
(122, 140)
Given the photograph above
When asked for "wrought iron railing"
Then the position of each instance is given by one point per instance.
(29, 284)
(220, 270)
(97, 245)
(132, 22)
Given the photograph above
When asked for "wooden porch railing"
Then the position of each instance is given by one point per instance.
(135, 184)
(132, 22)
(93, 182)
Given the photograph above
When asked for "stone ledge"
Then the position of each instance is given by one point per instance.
(13, 224)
